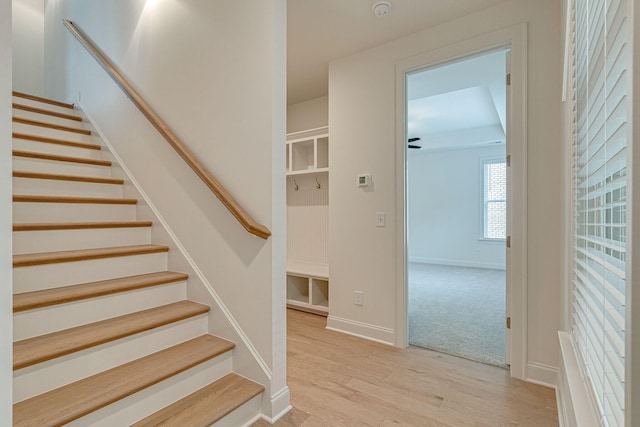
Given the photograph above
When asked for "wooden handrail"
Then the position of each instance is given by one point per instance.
(223, 195)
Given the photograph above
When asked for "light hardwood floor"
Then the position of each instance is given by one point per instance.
(339, 380)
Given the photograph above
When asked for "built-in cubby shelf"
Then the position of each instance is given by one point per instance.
(308, 151)
(308, 220)
(308, 287)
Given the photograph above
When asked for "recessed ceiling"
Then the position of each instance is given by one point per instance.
(461, 109)
(458, 105)
(320, 31)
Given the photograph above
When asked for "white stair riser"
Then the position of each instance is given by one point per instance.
(42, 105)
(55, 187)
(32, 323)
(24, 212)
(35, 278)
(51, 133)
(25, 242)
(152, 399)
(45, 376)
(47, 118)
(60, 167)
(242, 416)
(60, 150)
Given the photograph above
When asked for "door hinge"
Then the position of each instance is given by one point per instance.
(508, 159)
(509, 79)
(508, 322)
(508, 241)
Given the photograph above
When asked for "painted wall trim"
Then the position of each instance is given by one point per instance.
(515, 38)
(6, 245)
(457, 263)
(361, 330)
(575, 406)
(223, 308)
(280, 406)
(544, 375)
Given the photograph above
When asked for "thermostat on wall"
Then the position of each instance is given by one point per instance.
(364, 180)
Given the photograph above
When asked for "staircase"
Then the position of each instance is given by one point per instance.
(103, 332)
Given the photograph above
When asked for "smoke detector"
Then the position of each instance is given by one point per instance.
(381, 8)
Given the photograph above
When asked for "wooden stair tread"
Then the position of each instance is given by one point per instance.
(59, 158)
(30, 122)
(49, 297)
(30, 109)
(28, 198)
(25, 260)
(46, 139)
(207, 405)
(39, 349)
(77, 399)
(60, 177)
(46, 226)
(41, 99)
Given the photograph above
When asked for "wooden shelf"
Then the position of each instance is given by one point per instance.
(308, 171)
(319, 271)
(307, 153)
(308, 287)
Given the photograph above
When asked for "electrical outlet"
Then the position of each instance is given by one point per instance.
(358, 296)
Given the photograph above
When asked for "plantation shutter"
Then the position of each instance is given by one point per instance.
(601, 135)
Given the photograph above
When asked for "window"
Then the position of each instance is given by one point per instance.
(600, 77)
(495, 199)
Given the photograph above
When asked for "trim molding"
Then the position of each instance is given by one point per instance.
(544, 375)
(515, 38)
(362, 330)
(575, 405)
(218, 301)
(280, 405)
(457, 263)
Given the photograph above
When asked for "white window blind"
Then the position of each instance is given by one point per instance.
(495, 199)
(601, 135)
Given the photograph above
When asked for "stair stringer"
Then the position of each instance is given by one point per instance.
(247, 360)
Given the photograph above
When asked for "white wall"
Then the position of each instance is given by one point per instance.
(215, 72)
(6, 267)
(362, 102)
(308, 114)
(444, 212)
(28, 46)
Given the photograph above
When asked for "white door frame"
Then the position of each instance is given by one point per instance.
(515, 39)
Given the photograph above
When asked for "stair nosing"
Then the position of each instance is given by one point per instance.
(61, 177)
(115, 384)
(200, 400)
(48, 140)
(47, 226)
(44, 258)
(59, 158)
(38, 123)
(50, 297)
(29, 352)
(41, 99)
(42, 111)
(28, 198)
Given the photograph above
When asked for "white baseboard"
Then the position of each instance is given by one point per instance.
(362, 330)
(544, 375)
(280, 404)
(576, 408)
(458, 263)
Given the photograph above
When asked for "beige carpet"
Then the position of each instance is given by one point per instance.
(459, 311)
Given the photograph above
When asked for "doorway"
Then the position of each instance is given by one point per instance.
(456, 207)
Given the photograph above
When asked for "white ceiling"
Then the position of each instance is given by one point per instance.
(320, 31)
(458, 105)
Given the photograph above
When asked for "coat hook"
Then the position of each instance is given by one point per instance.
(295, 185)
(317, 183)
